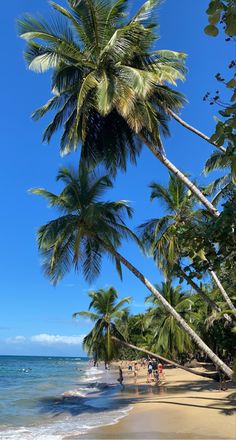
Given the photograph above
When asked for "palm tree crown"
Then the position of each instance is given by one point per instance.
(106, 310)
(159, 235)
(168, 336)
(86, 227)
(107, 77)
(223, 186)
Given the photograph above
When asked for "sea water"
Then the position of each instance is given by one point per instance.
(55, 398)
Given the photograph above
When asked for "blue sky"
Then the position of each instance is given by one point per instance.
(35, 317)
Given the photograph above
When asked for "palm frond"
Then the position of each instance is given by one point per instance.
(84, 314)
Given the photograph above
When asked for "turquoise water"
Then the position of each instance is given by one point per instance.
(55, 398)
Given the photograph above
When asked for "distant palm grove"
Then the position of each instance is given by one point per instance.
(112, 95)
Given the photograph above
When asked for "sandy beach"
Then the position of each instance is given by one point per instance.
(184, 407)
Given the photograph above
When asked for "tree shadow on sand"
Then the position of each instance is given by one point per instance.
(115, 398)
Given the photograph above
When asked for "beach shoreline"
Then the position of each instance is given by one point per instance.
(185, 407)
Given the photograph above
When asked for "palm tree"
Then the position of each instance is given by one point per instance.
(209, 375)
(168, 337)
(109, 85)
(161, 238)
(105, 311)
(225, 184)
(86, 229)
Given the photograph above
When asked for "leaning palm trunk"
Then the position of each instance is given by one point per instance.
(198, 341)
(163, 159)
(203, 295)
(213, 375)
(222, 290)
(194, 130)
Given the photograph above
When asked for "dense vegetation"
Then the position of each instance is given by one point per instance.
(112, 95)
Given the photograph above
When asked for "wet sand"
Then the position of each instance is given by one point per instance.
(185, 407)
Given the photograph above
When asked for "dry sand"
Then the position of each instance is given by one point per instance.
(185, 407)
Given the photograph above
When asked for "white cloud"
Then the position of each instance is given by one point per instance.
(16, 339)
(46, 339)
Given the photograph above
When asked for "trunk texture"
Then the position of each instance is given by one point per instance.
(198, 341)
(213, 375)
(163, 159)
(222, 290)
(194, 130)
(203, 295)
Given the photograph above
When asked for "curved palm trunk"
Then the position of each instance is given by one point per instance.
(194, 130)
(198, 341)
(203, 295)
(208, 205)
(214, 375)
(222, 290)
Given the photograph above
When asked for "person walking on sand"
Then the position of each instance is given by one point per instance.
(149, 374)
(156, 376)
(135, 372)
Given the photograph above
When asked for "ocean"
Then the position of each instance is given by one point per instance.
(56, 398)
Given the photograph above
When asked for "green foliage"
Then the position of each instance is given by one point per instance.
(106, 310)
(169, 338)
(213, 239)
(87, 227)
(160, 235)
(134, 329)
(221, 12)
(223, 186)
(107, 79)
(224, 12)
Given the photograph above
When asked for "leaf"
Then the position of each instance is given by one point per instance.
(214, 18)
(231, 22)
(230, 110)
(233, 169)
(88, 84)
(211, 30)
(145, 11)
(231, 83)
(105, 92)
(213, 6)
(233, 97)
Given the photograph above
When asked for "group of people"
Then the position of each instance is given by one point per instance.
(155, 370)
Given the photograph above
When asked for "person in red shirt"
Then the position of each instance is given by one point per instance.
(161, 371)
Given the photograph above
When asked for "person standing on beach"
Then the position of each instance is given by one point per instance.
(156, 376)
(135, 372)
(161, 371)
(154, 366)
(120, 378)
(149, 375)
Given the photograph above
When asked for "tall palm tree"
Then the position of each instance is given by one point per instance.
(109, 84)
(86, 229)
(105, 311)
(161, 239)
(168, 337)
